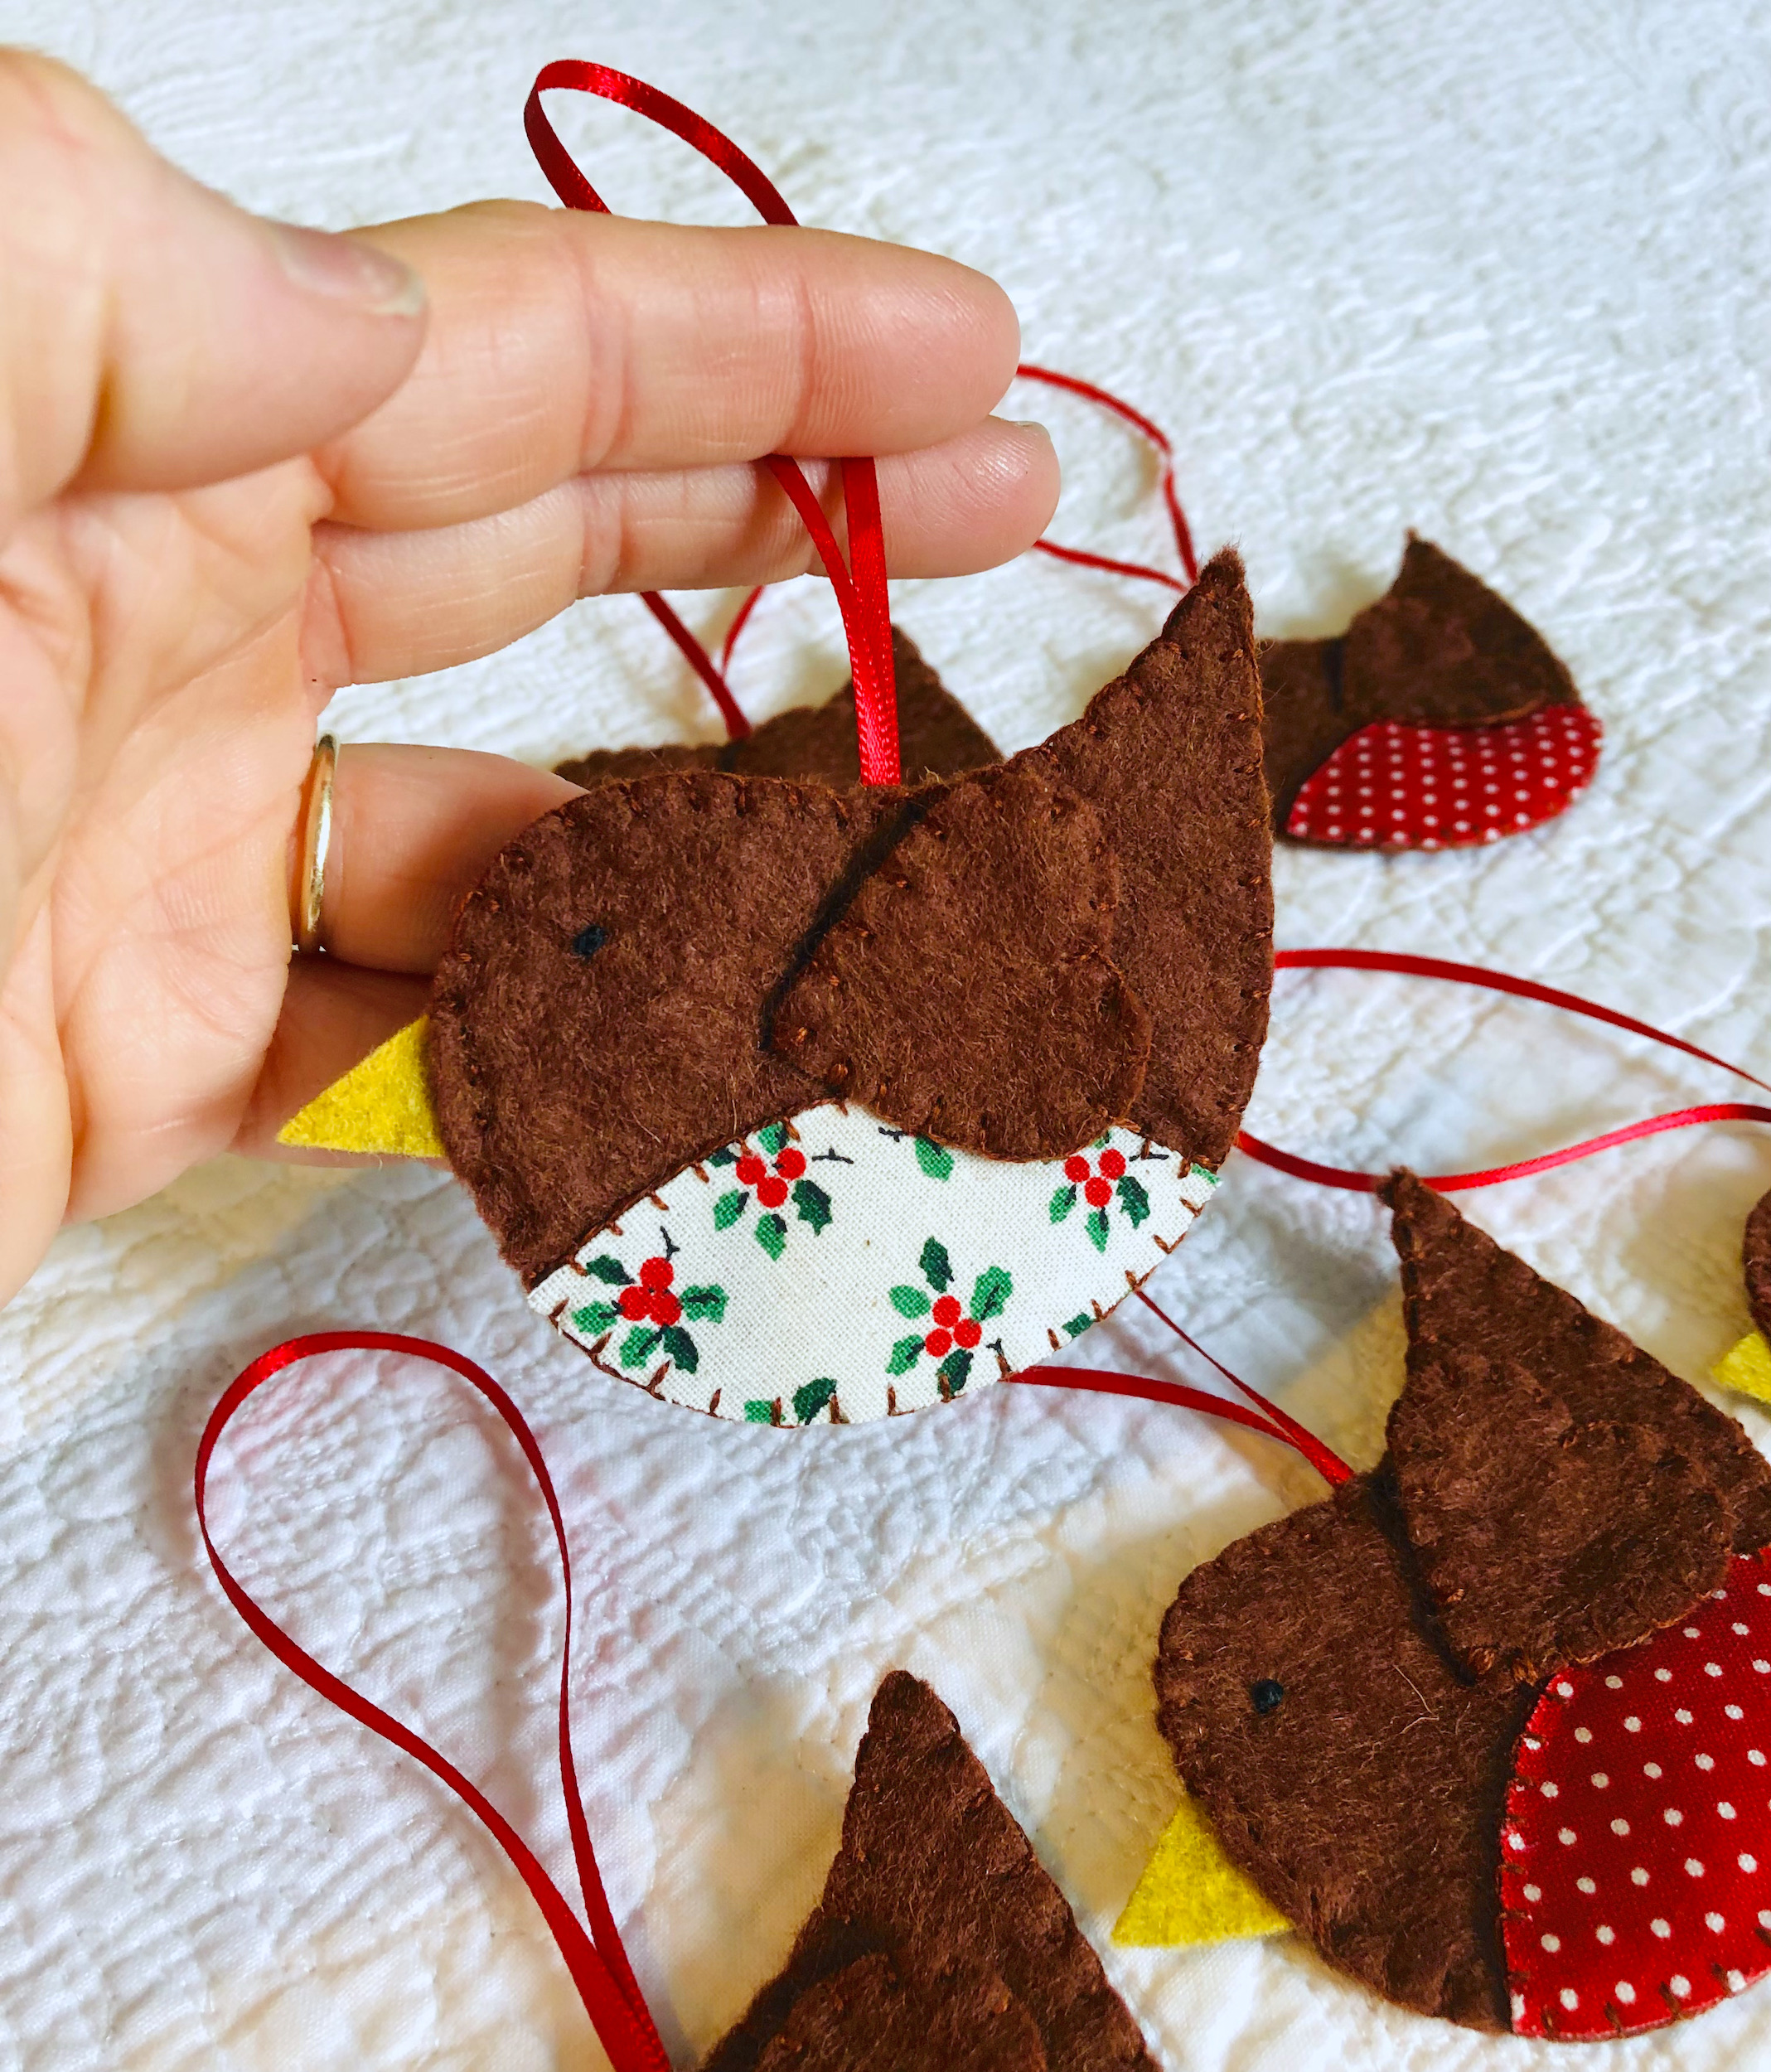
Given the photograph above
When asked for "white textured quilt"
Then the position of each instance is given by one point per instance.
(1496, 269)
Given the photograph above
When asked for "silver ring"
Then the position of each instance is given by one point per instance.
(316, 838)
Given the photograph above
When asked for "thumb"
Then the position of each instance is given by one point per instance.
(154, 336)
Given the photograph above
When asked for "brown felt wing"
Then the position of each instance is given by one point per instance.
(1462, 1293)
(1439, 649)
(933, 1867)
(966, 993)
(1546, 1539)
(1345, 1765)
(1169, 757)
(1755, 1256)
(896, 2012)
(597, 1023)
(815, 744)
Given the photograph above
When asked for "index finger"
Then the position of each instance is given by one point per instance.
(561, 343)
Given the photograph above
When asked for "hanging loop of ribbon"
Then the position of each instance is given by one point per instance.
(860, 583)
(1475, 974)
(597, 1960)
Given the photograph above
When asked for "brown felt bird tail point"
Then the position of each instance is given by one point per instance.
(1345, 1691)
(941, 1943)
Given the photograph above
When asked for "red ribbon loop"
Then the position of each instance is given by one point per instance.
(860, 584)
(1521, 989)
(597, 1961)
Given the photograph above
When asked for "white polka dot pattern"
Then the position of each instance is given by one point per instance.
(1637, 1819)
(1392, 786)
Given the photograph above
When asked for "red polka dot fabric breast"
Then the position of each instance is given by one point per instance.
(1391, 785)
(1635, 1879)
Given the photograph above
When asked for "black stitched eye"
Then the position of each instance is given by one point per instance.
(1265, 1695)
(588, 942)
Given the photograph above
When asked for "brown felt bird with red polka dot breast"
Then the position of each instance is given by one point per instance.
(1491, 1726)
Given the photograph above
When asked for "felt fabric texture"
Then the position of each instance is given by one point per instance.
(815, 744)
(566, 1086)
(1547, 1538)
(891, 2012)
(1169, 757)
(1366, 1804)
(1191, 1892)
(933, 1865)
(382, 1105)
(1463, 1293)
(1440, 649)
(1746, 1366)
(966, 994)
(1755, 1258)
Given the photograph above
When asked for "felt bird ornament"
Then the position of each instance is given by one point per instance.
(1438, 720)
(941, 1944)
(792, 1102)
(1492, 1724)
(1748, 1365)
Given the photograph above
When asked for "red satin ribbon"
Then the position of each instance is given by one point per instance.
(597, 1960)
(860, 584)
(1160, 440)
(1522, 988)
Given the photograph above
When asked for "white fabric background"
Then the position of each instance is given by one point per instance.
(1496, 268)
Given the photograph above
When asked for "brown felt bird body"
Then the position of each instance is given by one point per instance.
(940, 1943)
(1490, 1726)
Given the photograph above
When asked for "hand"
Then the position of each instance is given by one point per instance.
(243, 463)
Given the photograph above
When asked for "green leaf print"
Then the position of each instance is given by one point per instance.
(706, 1305)
(809, 1400)
(908, 1302)
(955, 1370)
(937, 1269)
(608, 1269)
(636, 1345)
(990, 1294)
(756, 1413)
(773, 1137)
(725, 1155)
(812, 1203)
(772, 1234)
(1062, 1202)
(680, 1347)
(904, 1356)
(729, 1208)
(1097, 1227)
(1134, 1200)
(936, 1163)
(1079, 1324)
(594, 1316)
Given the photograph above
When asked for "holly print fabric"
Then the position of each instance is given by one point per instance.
(828, 1269)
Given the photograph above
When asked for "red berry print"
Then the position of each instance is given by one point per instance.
(665, 1309)
(1396, 786)
(937, 1343)
(1636, 1847)
(771, 1192)
(1097, 1194)
(657, 1273)
(1076, 1169)
(1112, 1165)
(750, 1170)
(791, 1164)
(946, 1312)
(968, 1333)
(636, 1303)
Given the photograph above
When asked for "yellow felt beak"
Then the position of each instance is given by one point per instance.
(1191, 1892)
(382, 1105)
(1747, 1367)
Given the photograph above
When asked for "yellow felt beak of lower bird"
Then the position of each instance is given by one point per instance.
(1747, 1367)
(382, 1104)
(1191, 1892)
